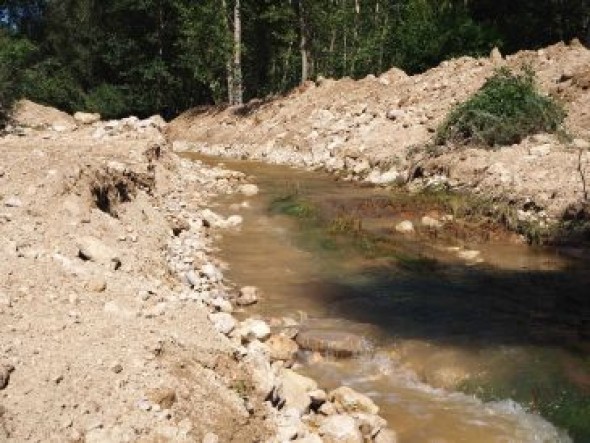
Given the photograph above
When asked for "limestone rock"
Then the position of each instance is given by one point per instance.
(293, 390)
(93, 249)
(223, 322)
(347, 400)
(386, 436)
(86, 118)
(336, 343)
(282, 348)
(405, 227)
(252, 329)
(340, 429)
(248, 190)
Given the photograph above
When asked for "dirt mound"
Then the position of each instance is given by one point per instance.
(361, 129)
(33, 115)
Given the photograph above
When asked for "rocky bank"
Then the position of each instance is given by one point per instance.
(117, 323)
(379, 130)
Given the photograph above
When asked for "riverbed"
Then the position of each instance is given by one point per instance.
(467, 340)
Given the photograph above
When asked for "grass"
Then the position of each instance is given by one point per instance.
(505, 110)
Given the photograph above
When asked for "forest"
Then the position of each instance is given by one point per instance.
(121, 57)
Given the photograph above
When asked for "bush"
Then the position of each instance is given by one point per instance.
(505, 110)
(108, 100)
(14, 55)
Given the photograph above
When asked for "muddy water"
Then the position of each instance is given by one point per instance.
(463, 350)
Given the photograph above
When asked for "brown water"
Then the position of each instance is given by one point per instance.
(513, 328)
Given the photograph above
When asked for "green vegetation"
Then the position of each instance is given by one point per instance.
(121, 57)
(505, 110)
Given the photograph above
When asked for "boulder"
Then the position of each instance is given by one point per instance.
(282, 348)
(249, 295)
(222, 322)
(293, 390)
(386, 436)
(405, 227)
(252, 329)
(257, 359)
(349, 401)
(86, 118)
(93, 249)
(340, 429)
(336, 343)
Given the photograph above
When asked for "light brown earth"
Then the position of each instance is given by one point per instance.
(384, 123)
(93, 348)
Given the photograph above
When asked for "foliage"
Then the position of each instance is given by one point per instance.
(506, 109)
(164, 56)
(14, 55)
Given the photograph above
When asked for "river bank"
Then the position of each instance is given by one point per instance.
(379, 131)
(118, 324)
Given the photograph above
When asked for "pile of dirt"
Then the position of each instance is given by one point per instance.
(363, 129)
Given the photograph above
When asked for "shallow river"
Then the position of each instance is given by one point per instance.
(489, 347)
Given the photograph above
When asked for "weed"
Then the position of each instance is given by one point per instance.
(505, 110)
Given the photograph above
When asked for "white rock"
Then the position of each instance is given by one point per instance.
(210, 438)
(347, 400)
(210, 271)
(293, 390)
(252, 329)
(93, 249)
(405, 227)
(395, 114)
(223, 322)
(248, 190)
(234, 220)
(221, 304)
(86, 118)
(386, 436)
(13, 202)
(340, 429)
(377, 177)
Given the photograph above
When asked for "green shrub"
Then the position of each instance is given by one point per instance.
(505, 110)
(108, 100)
(15, 53)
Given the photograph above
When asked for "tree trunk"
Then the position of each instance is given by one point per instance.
(228, 63)
(303, 44)
(237, 74)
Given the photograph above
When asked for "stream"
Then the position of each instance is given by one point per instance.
(466, 340)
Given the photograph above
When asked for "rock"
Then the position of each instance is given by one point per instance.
(234, 220)
(405, 227)
(386, 436)
(221, 304)
(13, 202)
(340, 429)
(431, 222)
(91, 248)
(470, 255)
(86, 118)
(223, 322)
(252, 329)
(336, 343)
(395, 114)
(293, 390)
(347, 400)
(327, 409)
(248, 190)
(541, 150)
(318, 397)
(5, 370)
(210, 271)
(263, 377)
(249, 295)
(310, 438)
(96, 284)
(288, 425)
(193, 279)
(210, 438)
(383, 178)
(369, 424)
(282, 348)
